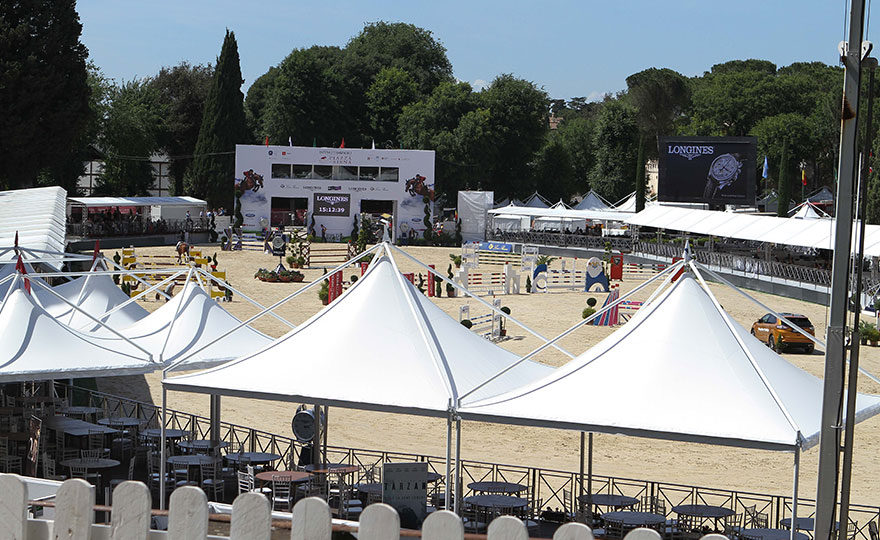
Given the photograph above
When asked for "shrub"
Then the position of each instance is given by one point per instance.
(528, 284)
(587, 312)
(591, 302)
(467, 323)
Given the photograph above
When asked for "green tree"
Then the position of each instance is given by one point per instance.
(578, 136)
(392, 90)
(661, 97)
(781, 130)
(784, 189)
(223, 126)
(44, 91)
(182, 90)
(130, 136)
(305, 105)
(616, 141)
(257, 101)
(553, 171)
(518, 115)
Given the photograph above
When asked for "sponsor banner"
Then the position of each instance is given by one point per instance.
(711, 170)
(497, 247)
(332, 204)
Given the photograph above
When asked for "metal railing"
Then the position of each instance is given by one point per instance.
(561, 240)
(136, 227)
(547, 488)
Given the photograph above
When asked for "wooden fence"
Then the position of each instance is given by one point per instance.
(251, 519)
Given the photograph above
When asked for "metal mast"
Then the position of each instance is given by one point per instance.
(835, 351)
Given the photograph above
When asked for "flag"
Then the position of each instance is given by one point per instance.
(343, 143)
(19, 266)
(97, 250)
(267, 140)
(803, 176)
(314, 142)
(374, 144)
(289, 141)
(766, 168)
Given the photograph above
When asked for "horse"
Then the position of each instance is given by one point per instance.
(250, 181)
(182, 249)
(417, 186)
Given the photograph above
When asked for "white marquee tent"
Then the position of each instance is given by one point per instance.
(37, 216)
(706, 381)
(35, 346)
(188, 322)
(807, 210)
(592, 201)
(7, 269)
(535, 200)
(560, 214)
(94, 294)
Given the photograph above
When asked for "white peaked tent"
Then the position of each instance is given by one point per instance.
(701, 382)
(387, 346)
(823, 195)
(561, 205)
(189, 321)
(35, 346)
(627, 205)
(96, 295)
(807, 210)
(536, 201)
(592, 201)
(503, 202)
(7, 269)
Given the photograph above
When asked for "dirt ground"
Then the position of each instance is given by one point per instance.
(548, 314)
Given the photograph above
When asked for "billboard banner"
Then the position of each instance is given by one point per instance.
(332, 204)
(711, 170)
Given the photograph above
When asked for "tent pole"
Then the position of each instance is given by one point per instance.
(324, 430)
(457, 500)
(215, 420)
(162, 448)
(590, 482)
(316, 438)
(794, 496)
(448, 494)
(581, 476)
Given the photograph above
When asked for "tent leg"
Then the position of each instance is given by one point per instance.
(162, 445)
(457, 491)
(316, 440)
(577, 504)
(446, 504)
(324, 429)
(794, 496)
(590, 482)
(215, 420)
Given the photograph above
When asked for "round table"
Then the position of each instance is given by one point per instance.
(191, 460)
(90, 463)
(773, 534)
(497, 487)
(609, 499)
(331, 468)
(284, 476)
(120, 421)
(156, 433)
(803, 523)
(202, 444)
(497, 501)
(256, 458)
(703, 511)
(634, 519)
(370, 488)
(80, 410)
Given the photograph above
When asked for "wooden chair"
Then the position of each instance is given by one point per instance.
(654, 505)
(96, 442)
(281, 494)
(245, 483)
(116, 481)
(8, 462)
(733, 525)
(63, 453)
(349, 505)
(872, 530)
(49, 469)
(211, 482)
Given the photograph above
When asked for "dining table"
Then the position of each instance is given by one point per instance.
(255, 458)
(611, 500)
(294, 477)
(202, 445)
(120, 421)
(703, 512)
(504, 488)
(331, 468)
(771, 534)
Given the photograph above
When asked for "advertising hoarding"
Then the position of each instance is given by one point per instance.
(711, 170)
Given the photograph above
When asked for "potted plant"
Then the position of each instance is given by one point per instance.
(467, 323)
(291, 260)
(503, 331)
(591, 302)
(324, 292)
(450, 288)
(456, 259)
(214, 262)
(587, 312)
(301, 261)
(528, 284)
(864, 332)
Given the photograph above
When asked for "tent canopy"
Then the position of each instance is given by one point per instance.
(381, 346)
(39, 218)
(184, 324)
(807, 210)
(35, 346)
(676, 371)
(592, 201)
(535, 200)
(559, 213)
(91, 202)
(809, 233)
(95, 295)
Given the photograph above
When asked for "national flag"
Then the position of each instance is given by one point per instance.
(267, 140)
(343, 143)
(803, 177)
(766, 168)
(19, 266)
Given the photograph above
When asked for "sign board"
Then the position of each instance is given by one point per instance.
(496, 247)
(405, 487)
(711, 170)
(35, 426)
(332, 204)
(279, 246)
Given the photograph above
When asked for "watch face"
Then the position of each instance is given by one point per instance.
(725, 167)
(278, 242)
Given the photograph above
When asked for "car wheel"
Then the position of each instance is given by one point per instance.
(753, 331)
(809, 348)
(771, 342)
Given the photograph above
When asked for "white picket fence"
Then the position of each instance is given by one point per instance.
(251, 518)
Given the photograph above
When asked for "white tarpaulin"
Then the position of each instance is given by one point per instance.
(592, 201)
(35, 346)
(810, 233)
(95, 295)
(560, 214)
(381, 346)
(675, 371)
(92, 202)
(510, 223)
(7, 269)
(187, 322)
(472, 208)
(806, 210)
(38, 216)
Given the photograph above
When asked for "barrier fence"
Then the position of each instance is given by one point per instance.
(547, 488)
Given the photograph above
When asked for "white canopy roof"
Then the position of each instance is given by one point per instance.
(807, 210)
(560, 213)
(35, 346)
(135, 201)
(676, 371)
(811, 233)
(8, 269)
(187, 322)
(627, 205)
(592, 201)
(96, 295)
(536, 201)
(561, 205)
(823, 195)
(381, 346)
(38, 216)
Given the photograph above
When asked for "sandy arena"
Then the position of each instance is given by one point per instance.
(549, 314)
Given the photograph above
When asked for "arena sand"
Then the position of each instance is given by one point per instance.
(548, 314)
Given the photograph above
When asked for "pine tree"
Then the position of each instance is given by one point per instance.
(784, 189)
(212, 173)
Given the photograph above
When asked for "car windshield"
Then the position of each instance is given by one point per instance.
(801, 322)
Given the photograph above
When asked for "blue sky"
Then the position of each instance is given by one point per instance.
(573, 48)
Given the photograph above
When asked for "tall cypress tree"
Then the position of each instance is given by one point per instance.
(212, 173)
(784, 188)
(640, 176)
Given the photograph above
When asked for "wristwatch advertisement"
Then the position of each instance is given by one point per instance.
(709, 170)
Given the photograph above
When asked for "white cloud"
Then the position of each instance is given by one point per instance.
(479, 84)
(595, 96)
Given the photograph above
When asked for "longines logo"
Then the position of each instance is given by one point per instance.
(690, 152)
